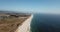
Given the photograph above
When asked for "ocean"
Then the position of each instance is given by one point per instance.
(45, 23)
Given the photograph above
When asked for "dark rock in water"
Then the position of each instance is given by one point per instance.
(45, 23)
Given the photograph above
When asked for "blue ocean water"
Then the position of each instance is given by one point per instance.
(45, 23)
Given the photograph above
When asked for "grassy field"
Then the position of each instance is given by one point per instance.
(10, 24)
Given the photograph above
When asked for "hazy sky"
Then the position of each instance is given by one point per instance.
(30, 5)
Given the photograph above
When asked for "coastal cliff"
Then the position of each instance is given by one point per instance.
(15, 22)
(25, 27)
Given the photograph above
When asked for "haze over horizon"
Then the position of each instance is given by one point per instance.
(34, 6)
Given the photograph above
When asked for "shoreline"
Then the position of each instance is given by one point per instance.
(25, 27)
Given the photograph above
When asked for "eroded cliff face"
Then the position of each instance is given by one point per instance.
(25, 27)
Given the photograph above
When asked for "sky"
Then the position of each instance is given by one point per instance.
(34, 6)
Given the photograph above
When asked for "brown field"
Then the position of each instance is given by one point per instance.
(10, 23)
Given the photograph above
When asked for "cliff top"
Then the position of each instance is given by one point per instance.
(10, 22)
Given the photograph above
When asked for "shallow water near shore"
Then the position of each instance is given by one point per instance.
(45, 23)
